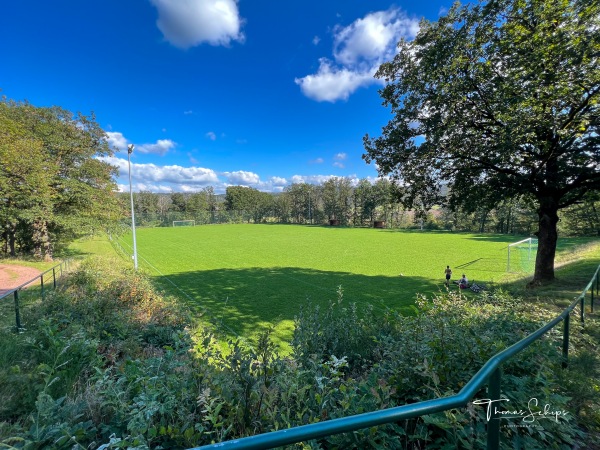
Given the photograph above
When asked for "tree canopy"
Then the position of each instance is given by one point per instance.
(52, 185)
(497, 100)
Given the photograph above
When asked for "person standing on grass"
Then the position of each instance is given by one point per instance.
(448, 273)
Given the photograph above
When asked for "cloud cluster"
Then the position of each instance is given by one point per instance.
(173, 174)
(175, 178)
(161, 147)
(187, 23)
(338, 158)
(119, 143)
(242, 178)
(358, 50)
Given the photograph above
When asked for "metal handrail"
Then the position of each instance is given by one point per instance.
(490, 373)
(15, 291)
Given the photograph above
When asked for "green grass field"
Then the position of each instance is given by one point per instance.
(248, 277)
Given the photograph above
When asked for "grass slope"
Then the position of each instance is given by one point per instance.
(254, 276)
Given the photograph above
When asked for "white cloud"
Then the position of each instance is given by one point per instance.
(316, 40)
(189, 112)
(155, 178)
(161, 147)
(116, 141)
(331, 83)
(338, 164)
(316, 161)
(243, 178)
(358, 51)
(152, 174)
(341, 156)
(311, 179)
(374, 37)
(278, 181)
(212, 136)
(152, 187)
(187, 23)
(119, 143)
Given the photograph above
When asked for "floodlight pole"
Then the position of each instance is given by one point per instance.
(135, 261)
(309, 208)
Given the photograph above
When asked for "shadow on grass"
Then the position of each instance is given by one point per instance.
(73, 253)
(571, 278)
(247, 301)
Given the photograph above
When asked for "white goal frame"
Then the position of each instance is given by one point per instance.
(530, 256)
(191, 223)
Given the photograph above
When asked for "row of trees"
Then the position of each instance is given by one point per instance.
(300, 203)
(52, 186)
(352, 205)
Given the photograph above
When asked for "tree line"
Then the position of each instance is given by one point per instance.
(350, 204)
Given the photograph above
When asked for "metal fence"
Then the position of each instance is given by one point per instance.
(44, 284)
(490, 374)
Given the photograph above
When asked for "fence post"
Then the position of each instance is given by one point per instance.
(17, 313)
(565, 352)
(54, 277)
(42, 284)
(582, 308)
(592, 300)
(493, 434)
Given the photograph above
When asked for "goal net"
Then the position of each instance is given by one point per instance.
(184, 223)
(521, 255)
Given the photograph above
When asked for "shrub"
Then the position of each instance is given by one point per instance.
(111, 363)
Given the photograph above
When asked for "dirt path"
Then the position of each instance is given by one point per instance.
(14, 276)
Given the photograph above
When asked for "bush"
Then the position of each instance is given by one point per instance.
(111, 363)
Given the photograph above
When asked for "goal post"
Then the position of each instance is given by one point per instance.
(521, 255)
(184, 223)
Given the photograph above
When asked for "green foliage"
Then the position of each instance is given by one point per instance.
(98, 374)
(53, 183)
(255, 204)
(339, 330)
(497, 100)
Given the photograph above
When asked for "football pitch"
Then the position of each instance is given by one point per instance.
(248, 277)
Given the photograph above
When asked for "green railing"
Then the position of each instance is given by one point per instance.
(57, 272)
(490, 374)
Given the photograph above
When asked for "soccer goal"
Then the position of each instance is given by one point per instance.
(184, 223)
(521, 255)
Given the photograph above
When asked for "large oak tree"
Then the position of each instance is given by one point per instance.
(497, 100)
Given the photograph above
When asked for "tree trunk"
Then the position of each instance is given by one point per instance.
(10, 237)
(41, 241)
(547, 238)
(595, 219)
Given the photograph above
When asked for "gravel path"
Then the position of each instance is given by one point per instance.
(13, 276)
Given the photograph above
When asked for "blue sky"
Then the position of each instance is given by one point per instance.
(214, 92)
